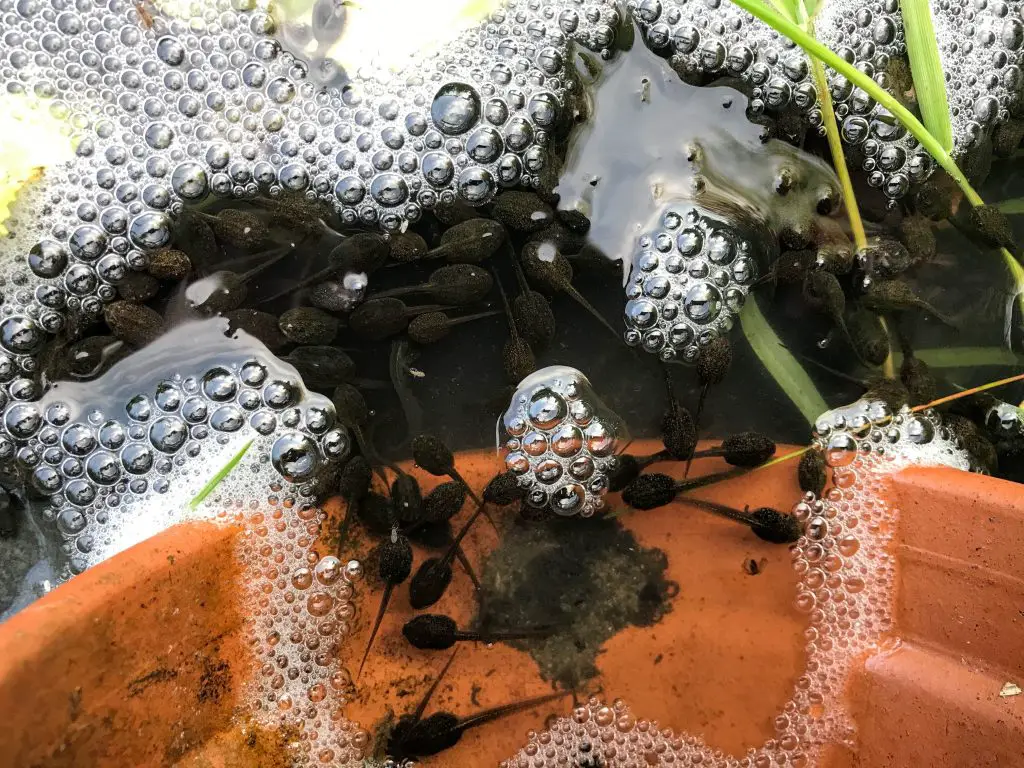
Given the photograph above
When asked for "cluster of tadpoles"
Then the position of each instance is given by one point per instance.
(744, 451)
(404, 513)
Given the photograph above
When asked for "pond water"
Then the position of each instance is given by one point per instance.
(251, 234)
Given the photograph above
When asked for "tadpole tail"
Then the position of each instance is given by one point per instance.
(421, 707)
(719, 509)
(705, 480)
(351, 510)
(467, 566)
(496, 713)
(303, 284)
(578, 298)
(708, 453)
(504, 303)
(516, 634)
(450, 554)
(385, 598)
(696, 425)
(454, 475)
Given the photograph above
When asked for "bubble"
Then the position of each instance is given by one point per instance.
(295, 457)
(455, 108)
(703, 302)
(546, 409)
(168, 434)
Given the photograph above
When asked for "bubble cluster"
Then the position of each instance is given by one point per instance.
(688, 281)
(559, 438)
(846, 569)
(980, 44)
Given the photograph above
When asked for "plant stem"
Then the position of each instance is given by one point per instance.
(933, 146)
(835, 144)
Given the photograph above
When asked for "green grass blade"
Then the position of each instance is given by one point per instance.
(219, 477)
(1016, 205)
(964, 357)
(777, 360)
(926, 67)
(931, 145)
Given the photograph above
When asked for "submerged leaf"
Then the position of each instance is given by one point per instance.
(926, 67)
(1016, 205)
(219, 477)
(964, 357)
(777, 360)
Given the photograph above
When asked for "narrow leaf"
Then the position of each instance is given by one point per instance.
(964, 357)
(219, 477)
(1016, 205)
(778, 361)
(926, 67)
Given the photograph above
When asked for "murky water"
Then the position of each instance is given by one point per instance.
(297, 243)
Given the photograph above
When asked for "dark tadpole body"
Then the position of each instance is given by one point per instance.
(353, 486)
(517, 358)
(547, 269)
(811, 472)
(534, 319)
(436, 632)
(766, 523)
(431, 327)
(238, 227)
(866, 335)
(522, 211)
(322, 365)
(713, 366)
(450, 285)
(745, 449)
(896, 296)
(823, 292)
(444, 502)
(377, 319)
(443, 730)
(393, 568)
(434, 575)
(918, 379)
(470, 242)
(432, 455)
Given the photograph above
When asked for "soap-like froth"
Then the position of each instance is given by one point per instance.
(559, 438)
(845, 565)
(980, 45)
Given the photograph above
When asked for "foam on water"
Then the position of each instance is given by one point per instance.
(845, 563)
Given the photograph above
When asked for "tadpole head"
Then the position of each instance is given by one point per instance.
(678, 432)
(355, 479)
(811, 472)
(534, 319)
(379, 319)
(624, 470)
(395, 562)
(457, 284)
(407, 499)
(823, 292)
(473, 241)
(748, 449)
(522, 211)
(918, 379)
(242, 229)
(992, 226)
(362, 252)
(714, 362)
(775, 527)
(429, 583)
(545, 267)
(650, 491)
(350, 405)
(429, 328)
(431, 632)
(376, 513)
(432, 734)
(432, 455)
(444, 502)
(869, 339)
(517, 359)
(504, 489)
